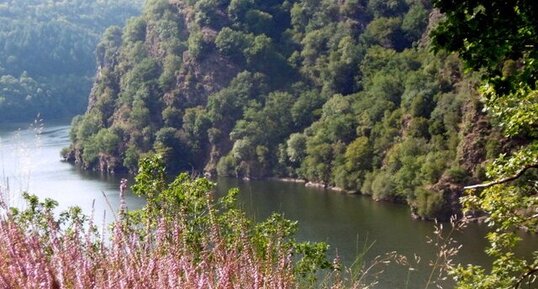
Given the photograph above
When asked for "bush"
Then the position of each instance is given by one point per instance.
(428, 203)
(182, 238)
(107, 140)
(386, 7)
(383, 187)
(197, 45)
(135, 30)
(458, 175)
(296, 148)
(226, 166)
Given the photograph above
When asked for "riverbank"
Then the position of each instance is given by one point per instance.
(347, 222)
(310, 184)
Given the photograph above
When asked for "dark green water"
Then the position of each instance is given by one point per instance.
(31, 162)
(351, 223)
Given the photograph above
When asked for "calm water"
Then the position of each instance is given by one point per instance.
(31, 162)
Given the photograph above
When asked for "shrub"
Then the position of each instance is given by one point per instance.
(182, 238)
(427, 202)
(458, 175)
(383, 187)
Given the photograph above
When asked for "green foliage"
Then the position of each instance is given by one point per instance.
(207, 12)
(508, 32)
(296, 147)
(358, 154)
(170, 145)
(85, 127)
(382, 187)
(108, 45)
(334, 92)
(40, 218)
(108, 140)
(414, 21)
(385, 32)
(233, 44)
(191, 202)
(508, 35)
(155, 9)
(172, 64)
(135, 30)
(227, 166)
(195, 125)
(47, 54)
(37, 214)
(307, 108)
(180, 217)
(197, 45)
(428, 202)
(388, 8)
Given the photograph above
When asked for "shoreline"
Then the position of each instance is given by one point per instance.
(310, 184)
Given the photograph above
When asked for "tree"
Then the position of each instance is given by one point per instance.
(296, 147)
(500, 39)
(317, 89)
(49, 48)
(389, 8)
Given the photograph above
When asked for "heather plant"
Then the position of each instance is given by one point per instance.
(191, 202)
(183, 238)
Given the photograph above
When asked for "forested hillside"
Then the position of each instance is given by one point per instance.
(47, 58)
(341, 93)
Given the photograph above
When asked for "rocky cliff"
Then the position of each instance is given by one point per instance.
(342, 93)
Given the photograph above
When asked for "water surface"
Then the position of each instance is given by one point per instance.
(30, 161)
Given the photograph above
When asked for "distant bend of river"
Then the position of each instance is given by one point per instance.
(30, 161)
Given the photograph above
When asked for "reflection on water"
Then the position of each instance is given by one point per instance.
(31, 162)
(351, 223)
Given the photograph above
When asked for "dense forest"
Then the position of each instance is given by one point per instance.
(344, 94)
(429, 103)
(47, 60)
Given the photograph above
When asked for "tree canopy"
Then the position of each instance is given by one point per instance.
(47, 57)
(344, 94)
(499, 39)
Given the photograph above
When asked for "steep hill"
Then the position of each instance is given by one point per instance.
(340, 93)
(47, 57)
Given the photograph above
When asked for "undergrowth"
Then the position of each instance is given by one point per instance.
(182, 238)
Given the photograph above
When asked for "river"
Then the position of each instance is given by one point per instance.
(30, 161)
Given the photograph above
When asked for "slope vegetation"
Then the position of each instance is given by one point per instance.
(341, 93)
(47, 54)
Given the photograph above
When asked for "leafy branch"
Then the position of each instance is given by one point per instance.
(503, 180)
(527, 274)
